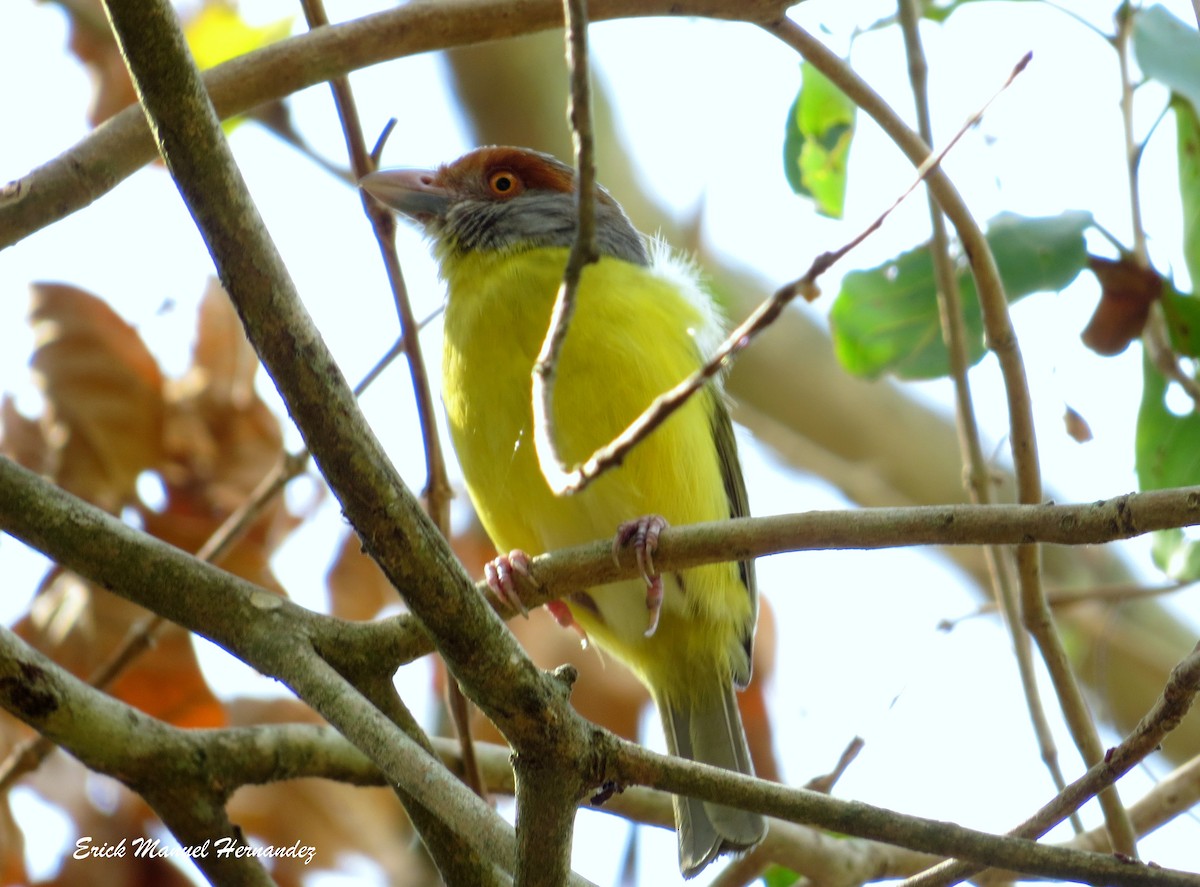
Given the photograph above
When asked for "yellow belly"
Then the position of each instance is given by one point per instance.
(629, 341)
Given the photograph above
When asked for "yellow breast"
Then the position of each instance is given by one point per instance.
(633, 336)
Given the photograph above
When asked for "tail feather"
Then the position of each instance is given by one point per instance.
(710, 732)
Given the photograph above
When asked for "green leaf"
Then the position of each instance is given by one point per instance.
(217, 33)
(885, 319)
(940, 12)
(1183, 321)
(816, 144)
(1187, 128)
(1168, 51)
(1176, 555)
(1168, 455)
(1038, 254)
(779, 876)
(1167, 444)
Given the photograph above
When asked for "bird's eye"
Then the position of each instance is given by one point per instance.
(504, 183)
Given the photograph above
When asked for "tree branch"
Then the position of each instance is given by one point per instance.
(1002, 340)
(1176, 699)
(559, 477)
(150, 757)
(123, 144)
(219, 606)
(638, 765)
(977, 474)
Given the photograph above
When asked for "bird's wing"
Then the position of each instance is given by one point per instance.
(739, 506)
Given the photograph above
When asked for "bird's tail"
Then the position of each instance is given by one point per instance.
(709, 731)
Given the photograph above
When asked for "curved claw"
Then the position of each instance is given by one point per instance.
(501, 577)
(643, 534)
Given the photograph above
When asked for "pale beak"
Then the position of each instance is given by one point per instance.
(408, 191)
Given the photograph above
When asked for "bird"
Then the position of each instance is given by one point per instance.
(501, 221)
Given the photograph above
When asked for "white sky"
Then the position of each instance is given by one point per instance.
(703, 107)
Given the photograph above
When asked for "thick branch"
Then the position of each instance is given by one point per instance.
(1168, 711)
(150, 757)
(222, 607)
(1002, 340)
(122, 145)
(636, 764)
(391, 522)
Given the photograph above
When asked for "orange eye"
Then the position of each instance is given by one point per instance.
(504, 183)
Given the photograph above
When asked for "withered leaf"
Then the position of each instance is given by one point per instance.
(221, 438)
(22, 439)
(1127, 290)
(80, 626)
(92, 42)
(357, 587)
(1077, 426)
(103, 390)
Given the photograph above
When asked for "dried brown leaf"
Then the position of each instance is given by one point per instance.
(1077, 426)
(21, 439)
(221, 439)
(80, 625)
(103, 390)
(91, 40)
(357, 587)
(12, 847)
(1127, 290)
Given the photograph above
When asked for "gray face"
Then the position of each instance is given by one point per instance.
(534, 219)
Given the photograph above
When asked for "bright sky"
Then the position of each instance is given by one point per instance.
(702, 106)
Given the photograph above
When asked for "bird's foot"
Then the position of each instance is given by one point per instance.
(503, 574)
(643, 534)
(506, 572)
(563, 616)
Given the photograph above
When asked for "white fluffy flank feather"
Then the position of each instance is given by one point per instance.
(683, 273)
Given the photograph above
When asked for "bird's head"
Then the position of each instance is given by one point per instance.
(502, 199)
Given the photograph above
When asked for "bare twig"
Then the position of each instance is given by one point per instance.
(583, 253)
(826, 781)
(661, 408)
(1175, 794)
(1155, 337)
(1176, 699)
(437, 491)
(1060, 598)
(112, 153)
(977, 473)
(638, 765)
(1001, 340)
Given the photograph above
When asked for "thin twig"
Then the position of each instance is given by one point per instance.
(1172, 795)
(1155, 336)
(826, 781)
(437, 486)
(583, 252)
(437, 493)
(1002, 341)
(635, 764)
(977, 474)
(661, 408)
(1061, 598)
(1164, 716)
(110, 154)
